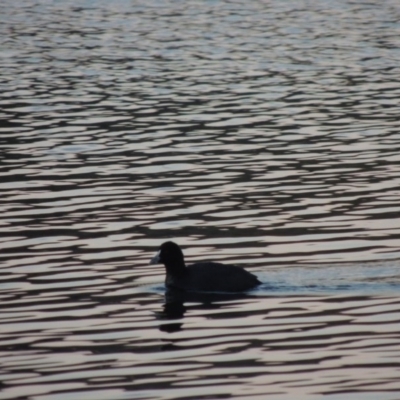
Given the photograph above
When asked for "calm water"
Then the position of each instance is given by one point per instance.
(262, 133)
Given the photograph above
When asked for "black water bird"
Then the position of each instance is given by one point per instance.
(201, 276)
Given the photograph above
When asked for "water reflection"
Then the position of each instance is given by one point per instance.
(174, 306)
(259, 134)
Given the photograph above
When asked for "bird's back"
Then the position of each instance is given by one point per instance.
(214, 277)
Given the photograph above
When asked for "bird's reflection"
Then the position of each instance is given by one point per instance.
(174, 306)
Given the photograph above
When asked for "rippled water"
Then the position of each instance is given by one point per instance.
(262, 133)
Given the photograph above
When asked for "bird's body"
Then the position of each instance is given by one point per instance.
(202, 276)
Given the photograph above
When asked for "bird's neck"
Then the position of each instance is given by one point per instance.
(176, 268)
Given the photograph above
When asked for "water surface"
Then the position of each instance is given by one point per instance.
(264, 134)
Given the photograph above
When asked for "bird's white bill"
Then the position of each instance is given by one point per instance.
(155, 259)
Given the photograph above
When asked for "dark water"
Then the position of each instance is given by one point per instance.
(263, 133)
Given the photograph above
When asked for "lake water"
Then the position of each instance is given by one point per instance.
(260, 133)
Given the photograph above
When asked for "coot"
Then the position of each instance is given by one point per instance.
(202, 276)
